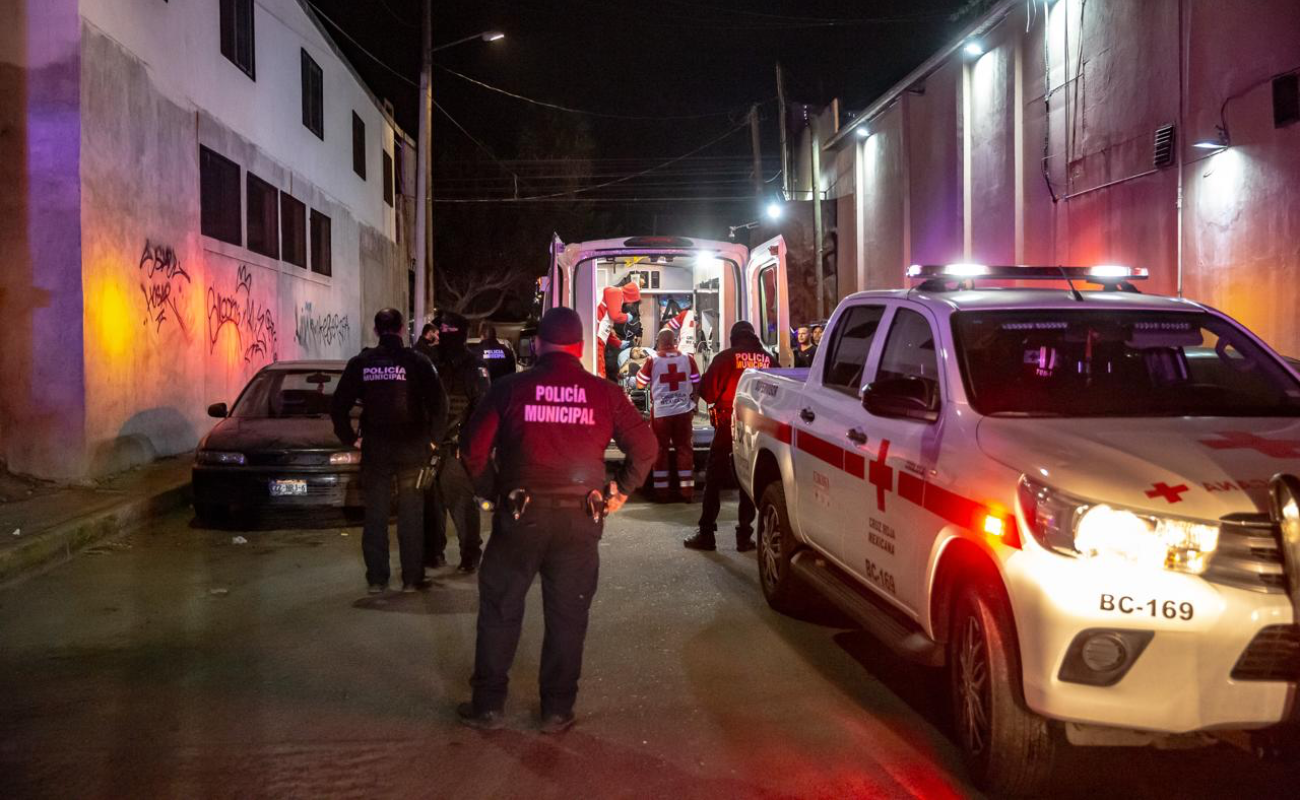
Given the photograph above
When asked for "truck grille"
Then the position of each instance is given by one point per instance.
(1273, 655)
(1248, 556)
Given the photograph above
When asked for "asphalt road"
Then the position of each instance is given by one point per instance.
(176, 663)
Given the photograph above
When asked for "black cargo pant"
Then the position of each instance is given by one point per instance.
(453, 494)
(719, 470)
(382, 465)
(561, 544)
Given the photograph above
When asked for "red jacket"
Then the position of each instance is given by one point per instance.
(718, 386)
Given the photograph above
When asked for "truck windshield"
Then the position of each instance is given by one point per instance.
(1109, 363)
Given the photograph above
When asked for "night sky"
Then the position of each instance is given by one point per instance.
(678, 58)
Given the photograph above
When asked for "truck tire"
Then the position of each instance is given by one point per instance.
(1007, 748)
(776, 546)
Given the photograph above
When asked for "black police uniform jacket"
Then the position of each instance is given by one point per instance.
(497, 357)
(404, 407)
(465, 379)
(549, 427)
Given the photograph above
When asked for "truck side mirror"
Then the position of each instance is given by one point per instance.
(218, 410)
(900, 398)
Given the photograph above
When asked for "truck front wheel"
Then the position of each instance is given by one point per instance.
(776, 546)
(1008, 748)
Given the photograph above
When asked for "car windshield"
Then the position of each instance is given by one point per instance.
(1108, 363)
(276, 394)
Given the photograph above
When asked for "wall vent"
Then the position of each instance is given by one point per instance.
(1165, 139)
(1286, 99)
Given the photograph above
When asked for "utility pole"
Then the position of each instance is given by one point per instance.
(785, 149)
(758, 151)
(423, 154)
(818, 245)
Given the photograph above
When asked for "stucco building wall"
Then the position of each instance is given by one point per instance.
(1041, 150)
(153, 320)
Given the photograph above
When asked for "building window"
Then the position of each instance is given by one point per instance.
(237, 34)
(293, 230)
(263, 217)
(219, 206)
(320, 243)
(358, 146)
(388, 178)
(313, 104)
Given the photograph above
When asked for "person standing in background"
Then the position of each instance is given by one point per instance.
(672, 378)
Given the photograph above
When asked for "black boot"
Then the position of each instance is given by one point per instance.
(744, 541)
(702, 540)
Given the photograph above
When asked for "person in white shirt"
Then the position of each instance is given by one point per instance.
(673, 379)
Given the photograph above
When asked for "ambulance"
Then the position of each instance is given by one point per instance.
(627, 290)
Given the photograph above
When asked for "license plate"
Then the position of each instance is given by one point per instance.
(291, 488)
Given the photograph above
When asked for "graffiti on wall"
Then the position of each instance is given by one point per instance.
(163, 281)
(252, 322)
(316, 330)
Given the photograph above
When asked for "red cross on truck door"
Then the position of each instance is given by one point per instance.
(887, 543)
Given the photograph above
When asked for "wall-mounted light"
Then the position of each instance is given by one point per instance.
(973, 49)
(1219, 141)
(863, 131)
(773, 210)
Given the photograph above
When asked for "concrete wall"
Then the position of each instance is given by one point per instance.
(1040, 151)
(41, 395)
(129, 321)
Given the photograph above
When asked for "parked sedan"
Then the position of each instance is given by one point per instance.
(276, 447)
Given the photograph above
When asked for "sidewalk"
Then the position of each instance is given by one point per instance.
(50, 527)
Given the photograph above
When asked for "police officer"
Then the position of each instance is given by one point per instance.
(718, 389)
(427, 341)
(404, 410)
(496, 354)
(465, 379)
(549, 427)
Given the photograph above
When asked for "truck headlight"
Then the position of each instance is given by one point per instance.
(1078, 527)
(346, 457)
(219, 458)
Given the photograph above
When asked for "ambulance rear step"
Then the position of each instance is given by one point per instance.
(889, 626)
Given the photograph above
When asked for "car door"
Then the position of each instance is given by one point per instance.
(767, 298)
(829, 440)
(887, 543)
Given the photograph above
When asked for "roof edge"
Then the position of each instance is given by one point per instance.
(981, 26)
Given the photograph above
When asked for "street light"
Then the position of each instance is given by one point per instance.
(425, 137)
(773, 210)
(486, 36)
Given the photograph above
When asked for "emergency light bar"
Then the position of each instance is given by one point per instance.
(1103, 273)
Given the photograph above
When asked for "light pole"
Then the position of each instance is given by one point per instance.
(424, 205)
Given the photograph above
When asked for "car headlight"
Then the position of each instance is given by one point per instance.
(218, 457)
(1078, 527)
(347, 457)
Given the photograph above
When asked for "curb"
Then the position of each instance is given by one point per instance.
(59, 544)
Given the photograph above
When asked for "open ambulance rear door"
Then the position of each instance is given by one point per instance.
(767, 298)
(556, 281)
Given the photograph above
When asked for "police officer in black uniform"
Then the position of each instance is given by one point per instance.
(404, 411)
(549, 427)
(465, 379)
(496, 354)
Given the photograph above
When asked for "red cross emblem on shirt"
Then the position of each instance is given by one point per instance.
(1237, 440)
(672, 376)
(880, 475)
(1170, 493)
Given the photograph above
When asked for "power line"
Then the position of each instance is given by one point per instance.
(571, 110)
(316, 9)
(475, 140)
(606, 184)
(397, 16)
(727, 199)
(800, 21)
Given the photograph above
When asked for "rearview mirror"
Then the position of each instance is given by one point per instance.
(900, 398)
(218, 410)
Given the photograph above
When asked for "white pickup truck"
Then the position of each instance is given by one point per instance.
(1083, 504)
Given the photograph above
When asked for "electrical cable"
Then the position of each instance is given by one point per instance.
(606, 115)
(808, 21)
(397, 17)
(317, 11)
(606, 184)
